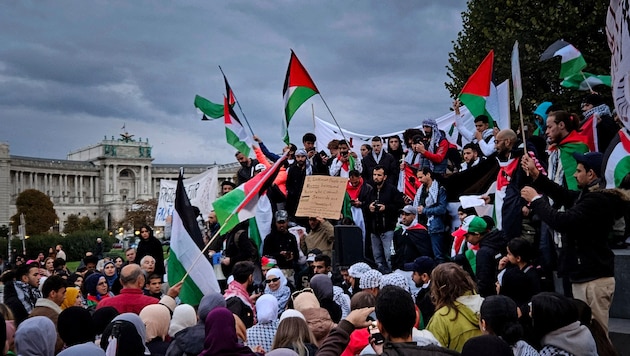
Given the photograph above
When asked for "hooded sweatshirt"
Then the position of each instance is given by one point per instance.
(573, 338)
(453, 330)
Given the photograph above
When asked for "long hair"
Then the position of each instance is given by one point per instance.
(449, 281)
(293, 333)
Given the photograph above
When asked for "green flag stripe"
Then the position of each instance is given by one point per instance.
(477, 106)
(621, 170)
(209, 108)
(572, 67)
(297, 98)
(225, 206)
(236, 142)
(569, 165)
(254, 233)
(190, 293)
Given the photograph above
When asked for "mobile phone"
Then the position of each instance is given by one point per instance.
(375, 334)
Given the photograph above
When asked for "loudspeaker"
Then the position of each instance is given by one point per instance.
(348, 248)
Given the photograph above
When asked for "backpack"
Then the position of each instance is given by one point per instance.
(242, 310)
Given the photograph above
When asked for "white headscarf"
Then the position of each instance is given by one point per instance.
(278, 273)
(184, 316)
(266, 309)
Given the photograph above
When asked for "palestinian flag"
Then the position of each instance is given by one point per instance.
(581, 81)
(477, 89)
(186, 247)
(234, 131)
(572, 61)
(616, 163)
(240, 204)
(574, 142)
(228, 92)
(208, 108)
(298, 87)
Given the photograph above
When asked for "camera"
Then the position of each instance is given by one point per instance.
(344, 153)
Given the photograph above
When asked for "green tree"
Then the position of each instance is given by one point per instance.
(38, 210)
(141, 212)
(75, 223)
(496, 24)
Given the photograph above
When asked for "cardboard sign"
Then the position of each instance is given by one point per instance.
(322, 196)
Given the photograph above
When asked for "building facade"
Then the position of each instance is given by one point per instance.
(102, 180)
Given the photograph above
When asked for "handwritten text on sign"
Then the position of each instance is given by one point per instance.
(322, 196)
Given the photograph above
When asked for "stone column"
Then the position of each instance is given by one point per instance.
(150, 181)
(76, 188)
(143, 184)
(115, 178)
(107, 179)
(91, 194)
(81, 196)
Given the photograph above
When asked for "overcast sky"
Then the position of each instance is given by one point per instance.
(72, 72)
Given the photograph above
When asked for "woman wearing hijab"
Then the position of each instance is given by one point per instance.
(276, 285)
(151, 246)
(36, 336)
(72, 298)
(111, 273)
(184, 316)
(322, 286)
(101, 318)
(262, 334)
(76, 328)
(156, 318)
(125, 336)
(221, 335)
(97, 289)
(317, 318)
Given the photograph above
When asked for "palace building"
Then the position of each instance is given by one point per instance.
(102, 180)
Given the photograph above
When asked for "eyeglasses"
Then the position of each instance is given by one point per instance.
(298, 292)
(273, 280)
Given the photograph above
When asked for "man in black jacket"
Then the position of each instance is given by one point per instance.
(378, 156)
(384, 204)
(246, 172)
(491, 250)
(411, 240)
(586, 223)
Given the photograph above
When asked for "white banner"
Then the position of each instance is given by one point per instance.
(201, 189)
(499, 107)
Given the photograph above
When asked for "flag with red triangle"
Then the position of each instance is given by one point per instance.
(616, 163)
(298, 87)
(476, 91)
(235, 133)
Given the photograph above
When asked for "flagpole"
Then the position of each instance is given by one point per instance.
(335, 120)
(587, 83)
(239, 105)
(313, 111)
(204, 249)
(235, 211)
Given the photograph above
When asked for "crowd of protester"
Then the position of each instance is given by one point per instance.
(437, 279)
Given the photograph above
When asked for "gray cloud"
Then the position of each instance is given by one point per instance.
(72, 72)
